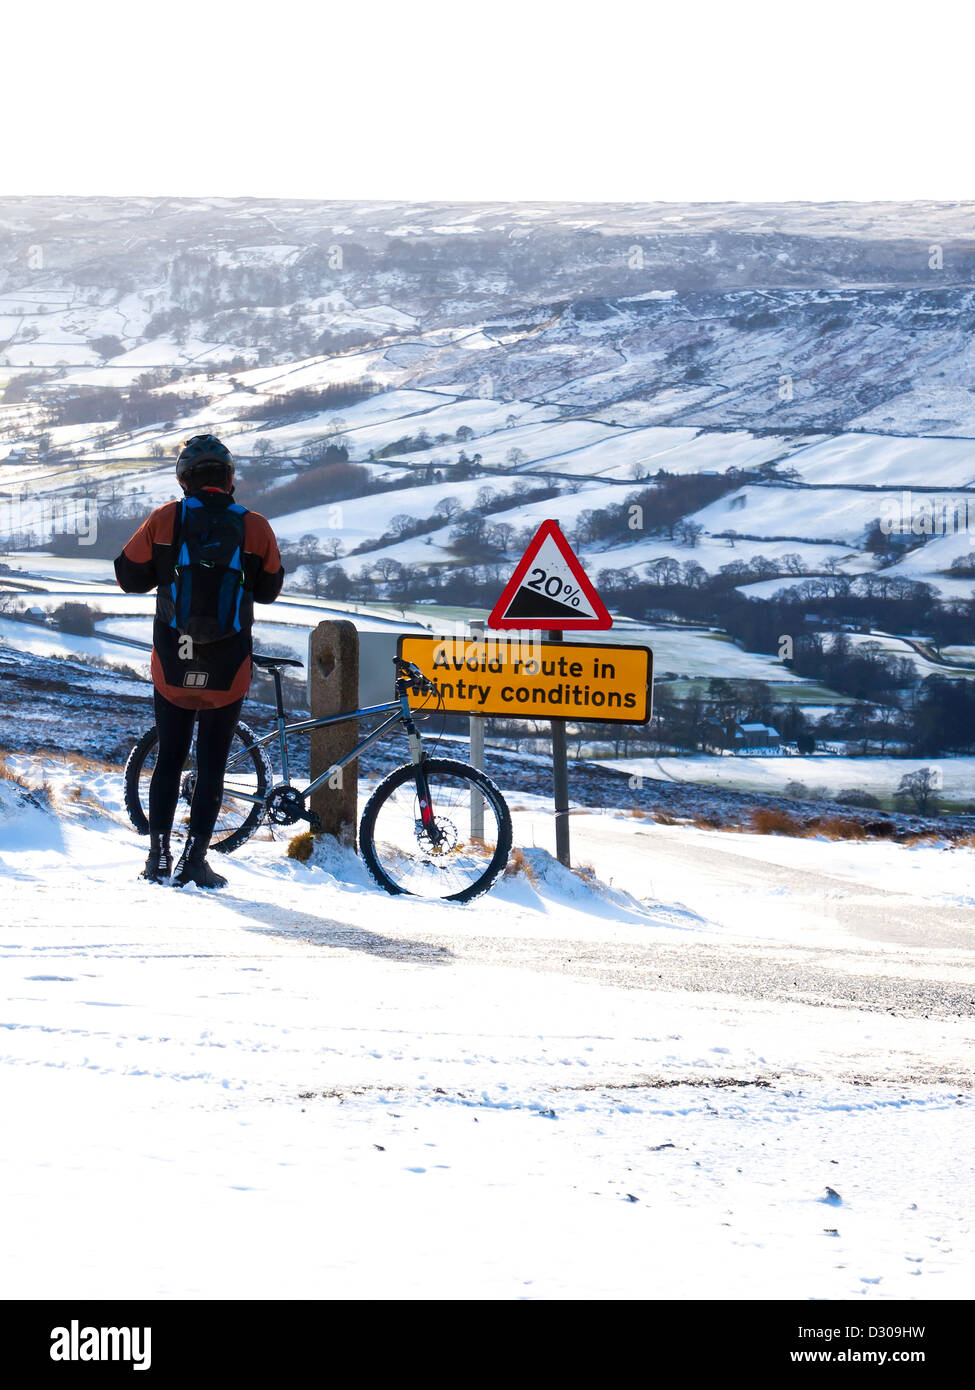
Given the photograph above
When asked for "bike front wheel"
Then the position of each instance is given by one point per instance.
(437, 829)
(245, 788)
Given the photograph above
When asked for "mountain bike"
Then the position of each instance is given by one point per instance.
(433, 828)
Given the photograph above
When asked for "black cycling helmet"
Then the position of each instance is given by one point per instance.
(202, 460)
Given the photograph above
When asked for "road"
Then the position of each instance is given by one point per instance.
(722, 919)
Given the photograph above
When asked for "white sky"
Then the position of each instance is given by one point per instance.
(512, 99)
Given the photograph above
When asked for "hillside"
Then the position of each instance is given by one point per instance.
(750, 422)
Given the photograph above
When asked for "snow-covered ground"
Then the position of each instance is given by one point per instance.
(889, 646)
(713, 551)
(695, 653)
(564, 1090)
(873, 459)
(67, 569)
(922, 565)
(840, 515)
(770, 773)
(640, 452)
(41, 641)
(367, 518)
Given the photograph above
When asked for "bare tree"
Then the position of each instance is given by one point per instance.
(690, 532)
(387, 568)
(920, 789)
(502, 535)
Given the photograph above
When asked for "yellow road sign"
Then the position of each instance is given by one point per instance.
(491, 675)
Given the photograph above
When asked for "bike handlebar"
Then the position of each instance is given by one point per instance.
(419, 683)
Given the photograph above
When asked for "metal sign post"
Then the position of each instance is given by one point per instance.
(560, 782)
(477, 749)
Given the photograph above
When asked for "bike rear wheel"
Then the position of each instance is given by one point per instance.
(447, 854)
(248, 771)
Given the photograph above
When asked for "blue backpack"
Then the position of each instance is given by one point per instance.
(203, 601)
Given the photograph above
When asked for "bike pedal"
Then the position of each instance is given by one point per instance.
(314, 820)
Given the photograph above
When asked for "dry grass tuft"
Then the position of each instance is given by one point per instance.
(301, 847)
(518, 866)
(838, 828)
(775, 822)
(767, 821)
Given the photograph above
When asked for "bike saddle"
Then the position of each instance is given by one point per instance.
(270, 662)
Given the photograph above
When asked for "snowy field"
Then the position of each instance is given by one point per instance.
(40, 641)
(691, 653)
(381, 420)
(640, 452)
(897, 647)
(929, 562)
(367, 518)
(841, 514)
(711, 552)
(873, 459)
(922, 565)
(518, 1099)
(68, 569)
(879, 776)
(539, 438)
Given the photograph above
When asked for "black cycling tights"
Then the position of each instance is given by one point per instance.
(213, 741)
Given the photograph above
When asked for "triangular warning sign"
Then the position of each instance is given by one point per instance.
(549, 588)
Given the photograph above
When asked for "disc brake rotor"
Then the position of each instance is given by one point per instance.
(448, 840)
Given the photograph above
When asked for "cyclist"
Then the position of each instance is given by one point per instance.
(209, 560)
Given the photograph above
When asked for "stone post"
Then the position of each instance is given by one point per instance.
(333, 687)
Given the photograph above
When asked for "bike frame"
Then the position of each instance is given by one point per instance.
(403, 715)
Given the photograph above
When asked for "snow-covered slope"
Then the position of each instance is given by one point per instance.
(405, 1100)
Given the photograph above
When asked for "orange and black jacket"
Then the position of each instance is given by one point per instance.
(217, 673)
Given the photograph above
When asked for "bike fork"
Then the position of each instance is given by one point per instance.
(423, 797)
